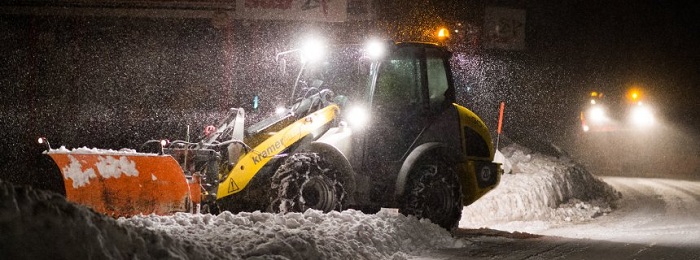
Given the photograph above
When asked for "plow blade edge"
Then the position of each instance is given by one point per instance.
(124, 185)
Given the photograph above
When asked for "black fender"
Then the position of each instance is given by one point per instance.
(413, 158)
(332, 154)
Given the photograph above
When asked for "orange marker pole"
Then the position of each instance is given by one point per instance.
(500, 123)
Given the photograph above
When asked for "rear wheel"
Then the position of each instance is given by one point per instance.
(433, 192)
(307, 181)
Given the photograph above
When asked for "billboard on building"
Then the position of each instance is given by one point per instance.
(306, 10)
(504, 28)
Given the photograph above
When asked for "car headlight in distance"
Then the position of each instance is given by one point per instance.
(357, 116)
(597, 114)
(642, 116)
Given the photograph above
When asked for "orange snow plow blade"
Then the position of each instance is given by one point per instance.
(119, 184)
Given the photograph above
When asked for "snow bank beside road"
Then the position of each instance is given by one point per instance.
(540, 188)
(40, 225)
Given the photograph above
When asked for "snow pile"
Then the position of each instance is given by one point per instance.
(39, 225)
(540, 188)
(310, 235)
(85, 150)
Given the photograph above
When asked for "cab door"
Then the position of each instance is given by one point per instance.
(398, 107)
(412, 90)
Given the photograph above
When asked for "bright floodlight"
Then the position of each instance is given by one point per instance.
(357, 116)
(375, 49)
(598, 114)
(642, 116)
(312, 50)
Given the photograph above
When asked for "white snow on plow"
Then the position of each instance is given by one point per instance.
(85, 150)
(107, 167)
(111, 164)
(75, 172)
(113, 167)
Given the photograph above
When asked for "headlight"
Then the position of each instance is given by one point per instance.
(597, 114)
(280, 110)
(357, 116)
(642, 116)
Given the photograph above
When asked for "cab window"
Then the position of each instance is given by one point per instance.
(437, 78)
(399, 82)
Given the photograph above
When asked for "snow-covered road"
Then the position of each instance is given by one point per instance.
(651, 211)
(654, 219)
(485, 245)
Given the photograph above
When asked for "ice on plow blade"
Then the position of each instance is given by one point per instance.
(123, 184)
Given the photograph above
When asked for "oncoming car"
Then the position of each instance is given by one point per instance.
(632, 112)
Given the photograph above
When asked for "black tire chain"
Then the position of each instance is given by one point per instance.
(291, 176)
(419, 182)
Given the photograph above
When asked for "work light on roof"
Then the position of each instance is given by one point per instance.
(312, 50)
(375, 49)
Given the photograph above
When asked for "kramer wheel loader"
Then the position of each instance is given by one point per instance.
(366, 127)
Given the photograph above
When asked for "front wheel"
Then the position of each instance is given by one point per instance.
(306, 181)
(433, 192)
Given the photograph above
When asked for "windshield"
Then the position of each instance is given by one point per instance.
(342, 69)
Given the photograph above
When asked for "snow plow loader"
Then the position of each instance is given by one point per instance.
(365, 127)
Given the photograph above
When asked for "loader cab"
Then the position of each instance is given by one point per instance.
(409, 90)
(414, 79)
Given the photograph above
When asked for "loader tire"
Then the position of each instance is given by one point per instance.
(306, 181)
(433, 192)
